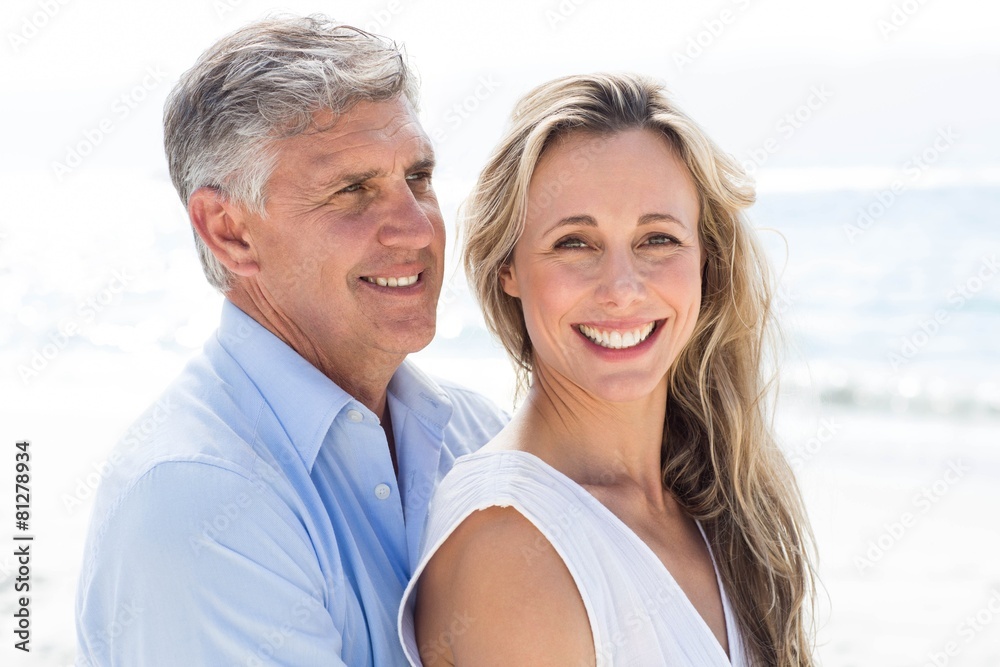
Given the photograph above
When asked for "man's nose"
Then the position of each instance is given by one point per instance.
(621, 282)
(407, 222)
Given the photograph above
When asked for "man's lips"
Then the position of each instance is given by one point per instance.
(393, 281)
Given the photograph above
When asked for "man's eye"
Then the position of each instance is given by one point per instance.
(421, 179)
(354, 187)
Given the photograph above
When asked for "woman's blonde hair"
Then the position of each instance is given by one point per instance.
(719, 457)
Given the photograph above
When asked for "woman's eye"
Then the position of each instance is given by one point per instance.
(662, 239)
(571, 242)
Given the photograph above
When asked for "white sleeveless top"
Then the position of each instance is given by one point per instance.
(639, 615)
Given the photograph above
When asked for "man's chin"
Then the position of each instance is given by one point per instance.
(407, 339)
(421, 343)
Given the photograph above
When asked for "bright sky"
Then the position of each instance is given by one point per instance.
(897, 69)
(84, 45)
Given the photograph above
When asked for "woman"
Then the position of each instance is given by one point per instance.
(636, 511)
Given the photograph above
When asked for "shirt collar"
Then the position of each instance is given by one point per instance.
(422, 396)
(304, 400)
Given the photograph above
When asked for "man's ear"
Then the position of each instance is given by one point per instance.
(222, 227)
(508, 280)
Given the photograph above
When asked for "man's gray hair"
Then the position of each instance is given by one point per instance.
(262, 83)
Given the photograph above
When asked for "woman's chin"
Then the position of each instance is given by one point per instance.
(624, 387)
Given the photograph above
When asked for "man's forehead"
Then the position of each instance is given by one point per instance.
(382, 116)
(367, 128)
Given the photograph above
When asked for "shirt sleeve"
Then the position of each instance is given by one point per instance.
(200, 565)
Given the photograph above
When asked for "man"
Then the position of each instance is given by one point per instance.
(275, 514)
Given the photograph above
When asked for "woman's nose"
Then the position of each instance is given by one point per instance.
(620, 282)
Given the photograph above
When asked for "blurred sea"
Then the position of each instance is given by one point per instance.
(890, 380)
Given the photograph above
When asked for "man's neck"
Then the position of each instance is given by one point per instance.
(365, 377)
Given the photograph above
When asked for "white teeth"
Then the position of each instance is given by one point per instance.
(618, 340)
(404, 281)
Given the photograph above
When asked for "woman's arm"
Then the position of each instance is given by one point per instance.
(497, 593)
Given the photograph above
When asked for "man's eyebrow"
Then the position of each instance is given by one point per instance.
(356, 176)
(423, 164)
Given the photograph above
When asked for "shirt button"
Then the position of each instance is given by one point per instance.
(382, 491)
(355, 416)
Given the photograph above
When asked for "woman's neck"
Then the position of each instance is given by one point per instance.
(592, 441)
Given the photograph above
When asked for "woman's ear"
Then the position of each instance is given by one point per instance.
(222, 226)
(508, 280)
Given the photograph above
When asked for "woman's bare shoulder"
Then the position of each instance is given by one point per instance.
(497, 593)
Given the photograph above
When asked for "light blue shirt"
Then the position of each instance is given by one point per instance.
(252, 515)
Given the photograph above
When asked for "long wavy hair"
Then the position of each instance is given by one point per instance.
(719, 456)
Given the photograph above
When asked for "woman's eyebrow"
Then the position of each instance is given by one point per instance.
(589, 221)
(648, 218)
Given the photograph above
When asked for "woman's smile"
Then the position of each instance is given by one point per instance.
(617, 339)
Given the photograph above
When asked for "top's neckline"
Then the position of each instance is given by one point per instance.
(626, 530)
